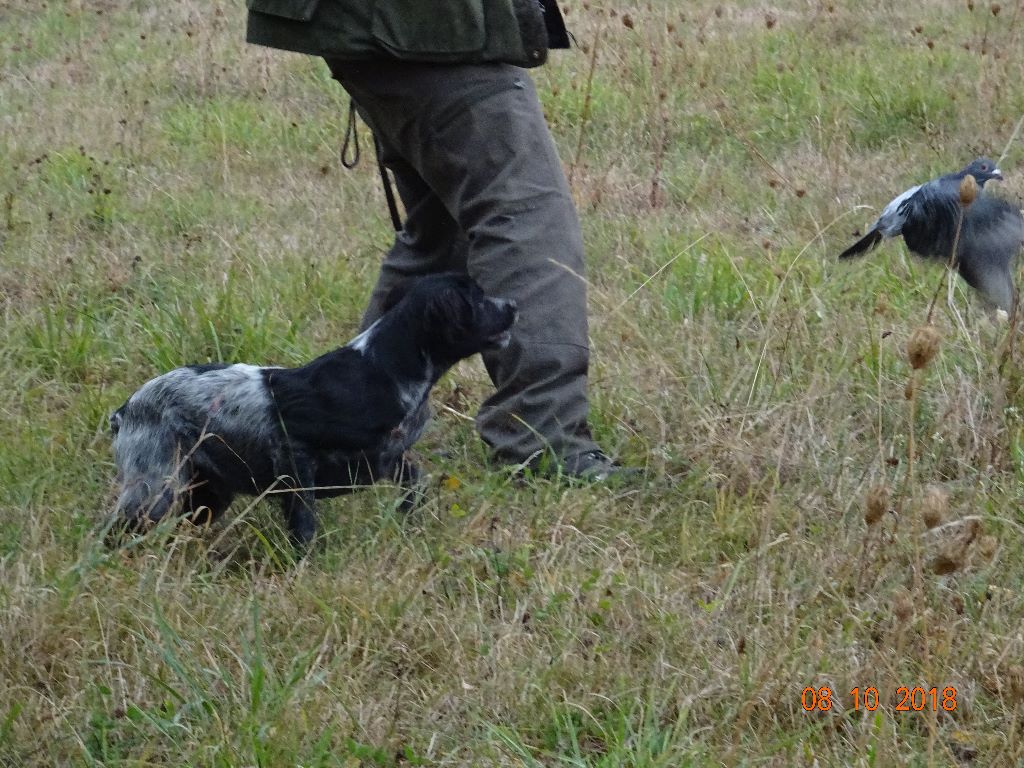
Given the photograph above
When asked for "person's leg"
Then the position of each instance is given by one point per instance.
(429, 242)
(476, 136)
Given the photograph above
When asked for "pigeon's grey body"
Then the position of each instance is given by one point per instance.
(927, 216)
(992, 236)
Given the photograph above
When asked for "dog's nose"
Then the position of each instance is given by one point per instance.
(508, 305)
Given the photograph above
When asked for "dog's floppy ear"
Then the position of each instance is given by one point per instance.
(450, 307)
(395, 295)
(115, 420)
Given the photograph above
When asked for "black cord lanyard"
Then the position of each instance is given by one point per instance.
(350, 159)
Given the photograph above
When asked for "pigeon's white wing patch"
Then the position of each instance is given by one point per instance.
(894, 206)
(890, 223)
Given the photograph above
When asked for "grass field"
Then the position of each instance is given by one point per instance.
(169, 195)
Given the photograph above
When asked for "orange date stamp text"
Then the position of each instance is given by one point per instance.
(906, 699)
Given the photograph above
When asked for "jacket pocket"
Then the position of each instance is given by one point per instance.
(297, 10)
(409, 29)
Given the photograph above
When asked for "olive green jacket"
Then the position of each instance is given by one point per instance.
(440, 31)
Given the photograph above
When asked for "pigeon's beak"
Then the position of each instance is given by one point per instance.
(997, 174)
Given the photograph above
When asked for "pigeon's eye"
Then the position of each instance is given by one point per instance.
(984, 166)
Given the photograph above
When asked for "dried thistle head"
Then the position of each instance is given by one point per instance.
(948, 561)
(902, 606)
(934, 506)
(971, 531)
(968, 190)
(1014, 682)
(987, 546)
(923, 345)
(876, 503)
(881, 304)
(958, 603)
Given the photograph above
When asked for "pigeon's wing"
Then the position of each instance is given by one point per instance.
(992, 235)
(889, 224)
(930, 220)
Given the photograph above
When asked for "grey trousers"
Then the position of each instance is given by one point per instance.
(484, 193)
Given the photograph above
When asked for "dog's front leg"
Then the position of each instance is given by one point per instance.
(301, 517)
(409, 479)
(296, 468)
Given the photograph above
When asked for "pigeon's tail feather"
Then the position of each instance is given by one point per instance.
(867, 243)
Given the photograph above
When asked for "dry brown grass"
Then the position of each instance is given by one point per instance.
(730, 150)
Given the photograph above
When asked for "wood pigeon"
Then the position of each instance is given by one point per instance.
(926, 215)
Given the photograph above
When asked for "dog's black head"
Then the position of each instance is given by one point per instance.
(455, 318)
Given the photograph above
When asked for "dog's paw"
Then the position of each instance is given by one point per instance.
(413, 497)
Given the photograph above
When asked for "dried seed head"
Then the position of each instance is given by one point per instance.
(1015, 682)
(958, 603)
(968, 190)
(970, 534)
(934, 506)
(948, 561)
(876, 504)
(995, 8)
(923, 344)
(902, 606)
(987, 546)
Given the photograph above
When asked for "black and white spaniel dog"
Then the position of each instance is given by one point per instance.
(193, 438)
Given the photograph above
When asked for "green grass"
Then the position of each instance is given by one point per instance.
(169, 195)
